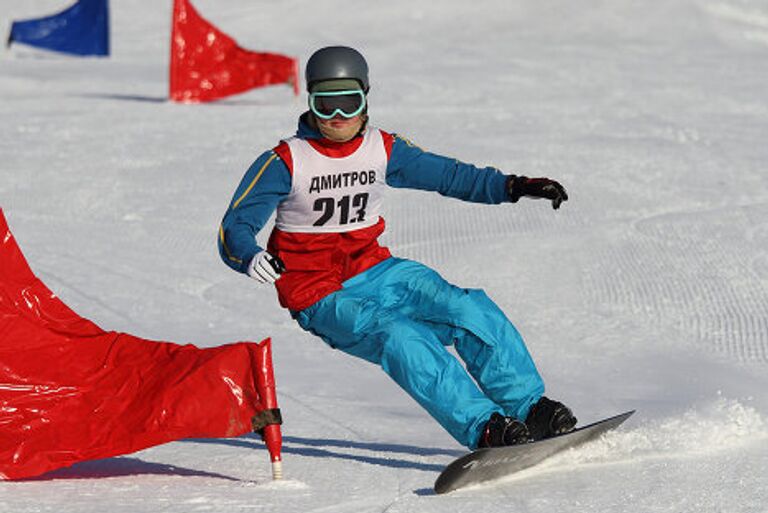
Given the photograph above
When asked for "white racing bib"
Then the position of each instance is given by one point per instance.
(334, 194)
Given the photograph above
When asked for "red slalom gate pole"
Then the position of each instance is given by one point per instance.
(265, 378)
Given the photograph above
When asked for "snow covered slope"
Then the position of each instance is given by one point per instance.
(647, 290)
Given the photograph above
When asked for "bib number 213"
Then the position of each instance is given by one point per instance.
(328, 207)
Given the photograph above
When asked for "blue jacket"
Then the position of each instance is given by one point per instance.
(268, 182)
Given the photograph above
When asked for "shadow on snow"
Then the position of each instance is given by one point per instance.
(121, 467)
(308, 447)
(319, 448)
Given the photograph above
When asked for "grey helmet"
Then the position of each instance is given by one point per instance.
(337, 62)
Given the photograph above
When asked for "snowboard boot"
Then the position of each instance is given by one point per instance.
(548, 418)
(501, 431)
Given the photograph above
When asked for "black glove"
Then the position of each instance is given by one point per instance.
(519, 186)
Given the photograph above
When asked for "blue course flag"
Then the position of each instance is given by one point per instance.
(82, 29)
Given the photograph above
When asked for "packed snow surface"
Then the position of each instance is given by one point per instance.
(647, 290)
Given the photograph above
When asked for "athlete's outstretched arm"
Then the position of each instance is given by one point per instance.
(411, 167)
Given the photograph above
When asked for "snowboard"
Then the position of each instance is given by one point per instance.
(493, 463)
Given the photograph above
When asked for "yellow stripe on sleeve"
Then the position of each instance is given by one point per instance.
(256, 179)
(226, 249)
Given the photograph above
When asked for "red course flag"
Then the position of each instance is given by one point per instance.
(207, 64)
(70, 391)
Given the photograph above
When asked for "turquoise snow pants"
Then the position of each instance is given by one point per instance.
(401, 315)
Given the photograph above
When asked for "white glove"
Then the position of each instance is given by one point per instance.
(265, 268)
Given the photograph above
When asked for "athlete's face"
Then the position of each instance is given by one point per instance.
(339, 128)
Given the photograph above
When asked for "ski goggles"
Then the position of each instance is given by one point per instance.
(328, 104)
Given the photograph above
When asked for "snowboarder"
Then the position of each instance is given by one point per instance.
(338, 283)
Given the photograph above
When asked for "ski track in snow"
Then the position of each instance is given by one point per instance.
(706, 282)
(437, 230)
(750, 17)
